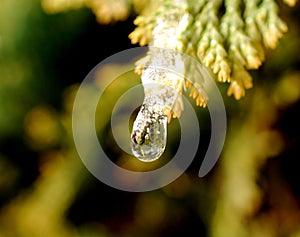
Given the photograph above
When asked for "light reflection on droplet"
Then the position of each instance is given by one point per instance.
(151, 143)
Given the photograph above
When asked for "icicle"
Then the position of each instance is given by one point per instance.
(149, 135)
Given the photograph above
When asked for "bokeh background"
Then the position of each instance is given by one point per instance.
(46, 191)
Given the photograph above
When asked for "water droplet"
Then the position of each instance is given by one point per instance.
(149, 141)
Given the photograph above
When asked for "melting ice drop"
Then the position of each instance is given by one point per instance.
(149, 138)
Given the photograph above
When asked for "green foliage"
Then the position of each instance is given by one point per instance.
(229, 36)
(230, 41)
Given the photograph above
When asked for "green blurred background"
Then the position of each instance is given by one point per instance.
(46, 191)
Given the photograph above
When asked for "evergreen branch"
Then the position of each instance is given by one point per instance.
(230, 43)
